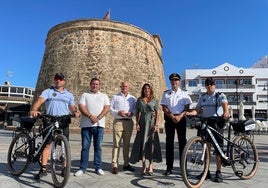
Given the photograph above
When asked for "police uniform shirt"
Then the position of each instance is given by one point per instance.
(208, 104)
(175, 101)
(57, 103)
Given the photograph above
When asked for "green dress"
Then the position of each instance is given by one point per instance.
(146, 140)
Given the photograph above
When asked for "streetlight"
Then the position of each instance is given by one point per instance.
(265, 88)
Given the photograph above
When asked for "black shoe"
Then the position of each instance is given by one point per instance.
(129, 168)
(207, 177)
(168, 172)
(42, 173)
(218, 177)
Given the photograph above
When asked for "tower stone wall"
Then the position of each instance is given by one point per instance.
(109, 50)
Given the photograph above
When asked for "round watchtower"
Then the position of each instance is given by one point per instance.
(109, 50)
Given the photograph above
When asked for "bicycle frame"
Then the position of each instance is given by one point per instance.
(36, 152)
(205, 128)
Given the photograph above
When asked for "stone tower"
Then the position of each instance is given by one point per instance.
(110, 50)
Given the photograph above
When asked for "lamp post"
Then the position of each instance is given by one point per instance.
(265, 88)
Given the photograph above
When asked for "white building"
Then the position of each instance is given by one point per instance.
(248, 85)
(15, 101)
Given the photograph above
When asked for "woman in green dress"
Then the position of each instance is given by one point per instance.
(146, 144)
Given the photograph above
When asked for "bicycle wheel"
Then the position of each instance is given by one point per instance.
(18, 154)
(194, 162)
(244, 158)
(60, 161)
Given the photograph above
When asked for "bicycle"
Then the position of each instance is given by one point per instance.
(240, 152)
(23, 149)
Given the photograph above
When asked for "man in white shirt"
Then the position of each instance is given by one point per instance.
(175, 103)
(93, 106)
(122, 108)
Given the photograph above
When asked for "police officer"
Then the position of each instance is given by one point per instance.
(211, 104)
(175, 103)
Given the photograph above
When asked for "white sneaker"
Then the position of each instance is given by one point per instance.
(100, 172)
(79, 173)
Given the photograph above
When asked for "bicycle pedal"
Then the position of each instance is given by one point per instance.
(239, 173)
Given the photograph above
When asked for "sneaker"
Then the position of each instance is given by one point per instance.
(218, 177)
(79, 173)
(129, 168)
(207, 177)
(41, 173)
(100, 172)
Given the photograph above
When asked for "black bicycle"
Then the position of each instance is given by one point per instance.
(24, 150)
(240, 152)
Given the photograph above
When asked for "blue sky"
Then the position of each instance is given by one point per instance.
(194, 33)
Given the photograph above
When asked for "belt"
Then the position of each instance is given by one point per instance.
(124, 119)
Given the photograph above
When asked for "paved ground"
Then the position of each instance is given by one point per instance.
(124, 178)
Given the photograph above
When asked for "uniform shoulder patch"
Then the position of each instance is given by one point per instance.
(218, 94)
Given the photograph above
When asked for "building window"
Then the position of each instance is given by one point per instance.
(220, 83)
(13, 90)
(193, 83)
(248, 98)
(230, 83)
(4, 89)
(233, 98)
(247, 81)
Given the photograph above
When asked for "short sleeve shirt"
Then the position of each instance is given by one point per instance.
(94, 103)
(57, 103)
(175, 101)
(212, 105)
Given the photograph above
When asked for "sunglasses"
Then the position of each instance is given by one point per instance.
(57, 78)
(209, 84)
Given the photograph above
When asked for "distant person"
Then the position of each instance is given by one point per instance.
(175, 103)
(122, 109)
(93, 105)
(146, 144)
(58, 102)
(212, 104)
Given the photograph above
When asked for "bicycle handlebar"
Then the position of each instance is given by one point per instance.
(198, 120)
(217, 118)
(28, 122)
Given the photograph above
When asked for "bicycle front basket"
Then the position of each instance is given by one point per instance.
(27, 123)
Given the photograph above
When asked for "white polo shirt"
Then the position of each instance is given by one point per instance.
(94, 103)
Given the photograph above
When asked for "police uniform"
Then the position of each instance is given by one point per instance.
(175, 102)
(212, 106)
